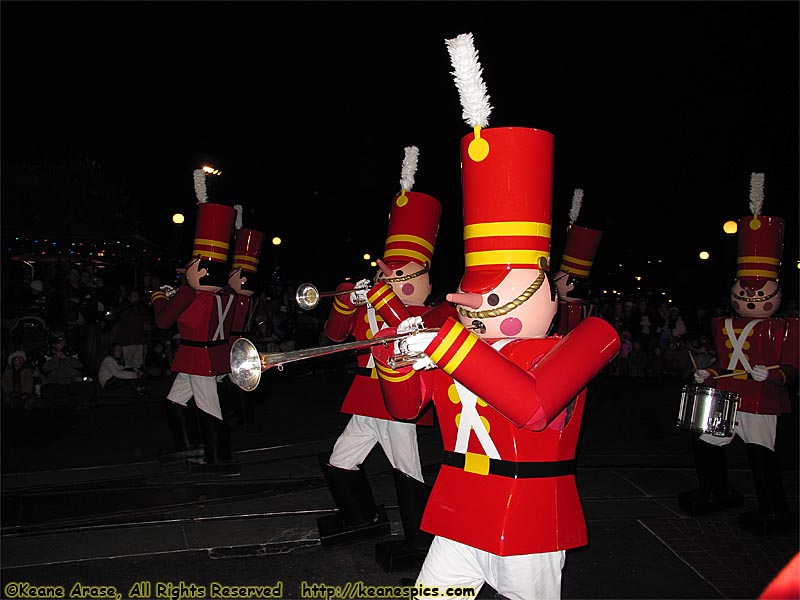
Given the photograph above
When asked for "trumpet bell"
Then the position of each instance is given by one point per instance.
(307, 296)
(245, 364)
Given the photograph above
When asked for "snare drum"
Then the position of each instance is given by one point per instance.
(708, 410)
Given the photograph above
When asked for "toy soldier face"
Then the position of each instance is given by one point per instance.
(194, 276)
(411, 282)
(523, 305)
(564, 285)
(237, 280)
(756, 302)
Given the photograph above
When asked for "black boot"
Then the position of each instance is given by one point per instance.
(409, 553)
(714, 494)
(217, 448)
(247, 402)
(773, 514)
(229, 402)
(358, 518)
(182, 422)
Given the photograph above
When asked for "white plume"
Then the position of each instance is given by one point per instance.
(238, 209)
(467, 72)
(577, 198)
(409, 168)
(200, 185)
(756, 192)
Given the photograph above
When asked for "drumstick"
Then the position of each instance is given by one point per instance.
(694, 364)
(743, 372)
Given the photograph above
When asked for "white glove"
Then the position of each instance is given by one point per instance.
(759, 373)
(410, 325)
(417, 342)
(413, 346)
(359, 295)
(701, 375)
(424, 364)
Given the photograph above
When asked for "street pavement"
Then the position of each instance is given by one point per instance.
(86, 501)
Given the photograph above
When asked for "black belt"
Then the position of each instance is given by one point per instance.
(517, 470)
(365, 371)
(210, 344)
(238, 333)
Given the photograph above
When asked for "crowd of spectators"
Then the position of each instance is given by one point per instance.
(74, 333)
(659, 339)
(60, 327)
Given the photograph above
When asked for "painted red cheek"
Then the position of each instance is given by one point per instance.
(407, 289)
(767, 306)
(736, 306)
(511, 326)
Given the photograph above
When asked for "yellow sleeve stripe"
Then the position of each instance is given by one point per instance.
(388, 374)
(447, 344)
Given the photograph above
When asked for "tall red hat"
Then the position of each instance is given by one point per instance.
(760, 247)
(247, 250)
(213, 232)
(507, 182)
(413, 225)
(579, 251)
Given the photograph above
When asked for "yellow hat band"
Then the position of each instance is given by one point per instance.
(411, 239)
(507, 229)
(217, 243)
(504, 257)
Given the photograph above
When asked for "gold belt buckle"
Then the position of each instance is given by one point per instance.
(476, 463)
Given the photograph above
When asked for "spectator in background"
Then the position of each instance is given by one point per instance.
(69, 317)
(642, 326)
(676, 324)
(626, 345)
(698, 323)
(133, 329)
(663, 332)
(92, 309)
(64, 378)
(114, 375)
(156, 361)
(637, 361)
(94, 280)
(18, 382)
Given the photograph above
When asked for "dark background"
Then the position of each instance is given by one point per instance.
(660, 112)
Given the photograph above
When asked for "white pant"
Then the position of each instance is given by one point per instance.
(204, 390)
(398, 440)
(752, 428)
(521, 577)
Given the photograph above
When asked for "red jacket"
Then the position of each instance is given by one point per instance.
(510, 417)
(345, 319)
(767, 342)
(204, 321)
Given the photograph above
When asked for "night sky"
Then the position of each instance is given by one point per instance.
(660, 112)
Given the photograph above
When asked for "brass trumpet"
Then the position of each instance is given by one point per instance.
(247, 363)
(307, 296)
